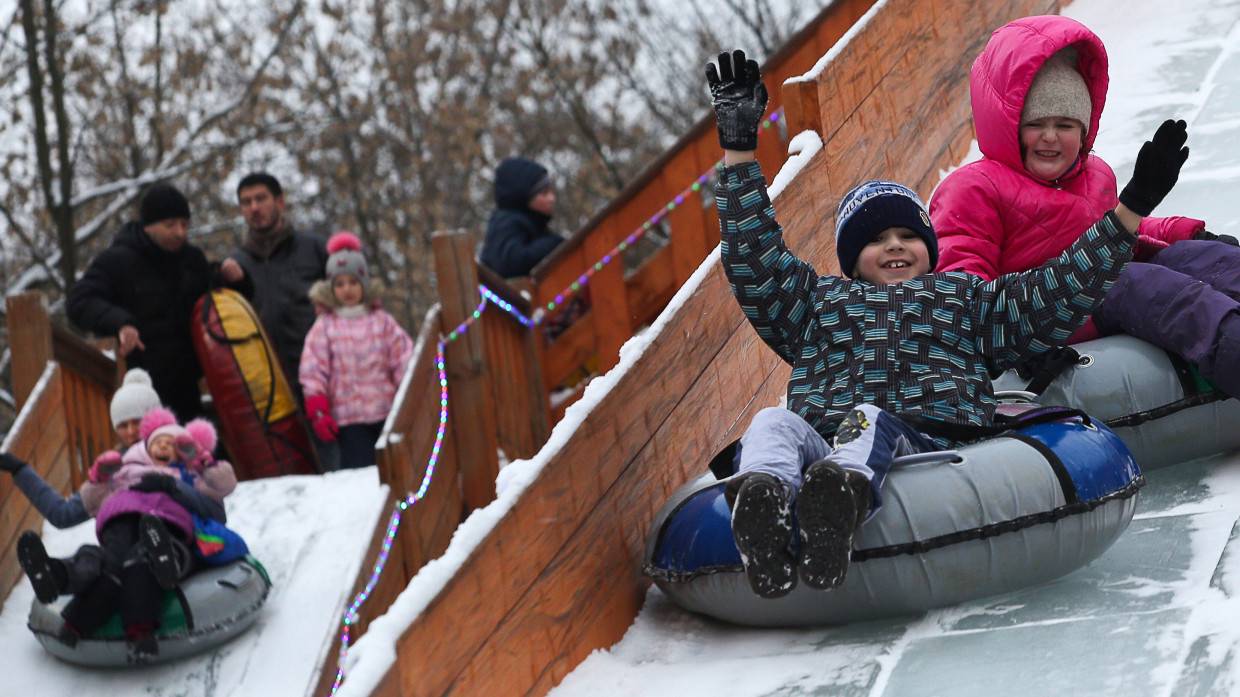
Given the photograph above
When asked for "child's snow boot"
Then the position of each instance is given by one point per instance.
(47, 576)
(141, 643)
(831, 505)
(762, 530)
(160, 551)
(68, 635)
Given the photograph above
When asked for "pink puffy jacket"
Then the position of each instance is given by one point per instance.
(991, 216)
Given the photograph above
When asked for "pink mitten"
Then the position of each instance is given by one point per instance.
(104, 467)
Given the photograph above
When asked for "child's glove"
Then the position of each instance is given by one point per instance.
(153, 482)
(188, 452)
(104, 467)
(739, 99)
(319, 411)
(1211, 237)
(10, 464)
(1157, 169)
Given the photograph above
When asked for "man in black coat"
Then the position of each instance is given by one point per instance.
(142, 289)
(517, 233)
(283, 264)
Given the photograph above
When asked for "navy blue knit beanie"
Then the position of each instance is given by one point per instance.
(161, 202)
(872, 207)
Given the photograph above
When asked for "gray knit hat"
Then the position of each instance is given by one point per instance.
(1058, 90)
(134, 398)
(345, 252)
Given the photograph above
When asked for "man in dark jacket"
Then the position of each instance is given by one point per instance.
(517, 235)
(282, 263)
(142, 289)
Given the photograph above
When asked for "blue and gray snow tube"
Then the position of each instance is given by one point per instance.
(1164, 412)
(1016, 510)
(206, 610)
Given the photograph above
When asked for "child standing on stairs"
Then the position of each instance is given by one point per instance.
(354, 358)
(885, 356)
(1037, 91)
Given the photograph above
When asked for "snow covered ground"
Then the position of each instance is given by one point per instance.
(1159, 613)
(309, 531)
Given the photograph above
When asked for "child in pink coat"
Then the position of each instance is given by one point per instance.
(354, 357)
(142, 506)
(1037, 90)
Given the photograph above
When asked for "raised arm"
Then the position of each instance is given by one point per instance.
(59, 511)
(1022, 314)
(774, 287)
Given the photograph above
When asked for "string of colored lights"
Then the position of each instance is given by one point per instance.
(351, 615)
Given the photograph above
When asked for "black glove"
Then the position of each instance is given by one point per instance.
(156, 483)
(739, 99)
(10, 464)
(1158, 168)
(1211, 237)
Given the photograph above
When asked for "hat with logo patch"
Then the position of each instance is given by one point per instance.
(872, 207)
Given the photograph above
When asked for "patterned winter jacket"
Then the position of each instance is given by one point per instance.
(357, 362)
(919, 347)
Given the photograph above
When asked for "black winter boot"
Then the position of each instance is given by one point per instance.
(762, 530)
(141, 643)
(160, 551)
(47, 576)
(831, 505)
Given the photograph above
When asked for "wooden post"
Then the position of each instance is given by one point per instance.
(30, 342)
(471, 415)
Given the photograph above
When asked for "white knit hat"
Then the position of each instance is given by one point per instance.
(134, 398)
(1058, 90)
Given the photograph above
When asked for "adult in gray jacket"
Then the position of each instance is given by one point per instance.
(282, 263)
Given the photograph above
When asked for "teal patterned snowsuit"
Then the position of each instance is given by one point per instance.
(920, 347)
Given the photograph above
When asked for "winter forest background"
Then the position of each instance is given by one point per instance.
(386, 117)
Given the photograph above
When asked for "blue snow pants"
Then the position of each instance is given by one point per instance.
(781, 443)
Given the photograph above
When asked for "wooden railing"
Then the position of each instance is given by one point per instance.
(62, 386)
(891, 103)
(503, 374)
(625, 298)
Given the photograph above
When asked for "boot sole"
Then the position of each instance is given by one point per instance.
(827, 515)
(161, 555)
(32, 556)
(762, 529)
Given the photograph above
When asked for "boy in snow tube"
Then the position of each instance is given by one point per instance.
(1037, 91)
(886, 353)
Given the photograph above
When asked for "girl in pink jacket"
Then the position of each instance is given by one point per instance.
(354, 357)
(1037, 92)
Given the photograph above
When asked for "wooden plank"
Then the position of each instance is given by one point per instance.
(689, 223)
(651, 287)
(569, 351)
(30, 342)
(468, 388)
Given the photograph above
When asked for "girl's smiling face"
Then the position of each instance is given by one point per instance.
(162, 448)
(1050, 145)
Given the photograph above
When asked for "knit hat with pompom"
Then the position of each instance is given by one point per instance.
(158, 422)
(345, 251)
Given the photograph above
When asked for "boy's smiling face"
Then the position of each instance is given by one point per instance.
(1050, 145)
(894, 255)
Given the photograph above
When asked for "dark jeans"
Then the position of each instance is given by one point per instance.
(1186, 300)
(126, 583)
(357, 444)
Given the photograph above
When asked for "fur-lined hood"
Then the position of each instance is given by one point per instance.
(325, 300)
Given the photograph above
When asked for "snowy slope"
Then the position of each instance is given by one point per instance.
(1158, 614)
(310, 532)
